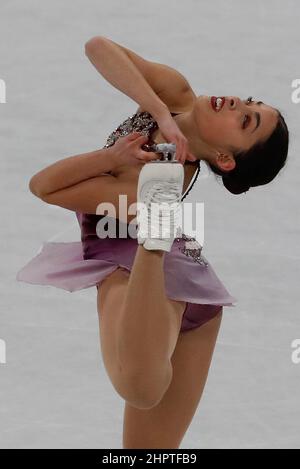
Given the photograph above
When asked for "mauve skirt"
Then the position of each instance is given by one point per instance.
(63, 265)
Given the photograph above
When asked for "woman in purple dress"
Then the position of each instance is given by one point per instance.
(159, 312)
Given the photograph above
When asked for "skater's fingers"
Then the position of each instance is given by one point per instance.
(181, 149)
(137, 139)
(147, 156)
(184, 151)
(134, 135)
(191, 157)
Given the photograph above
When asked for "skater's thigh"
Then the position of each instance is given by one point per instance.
(110, 298)
(111, 293)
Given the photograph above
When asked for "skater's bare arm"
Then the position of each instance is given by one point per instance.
(70, 171)
(152, 85)
(155, 87)
(87, 197)
(75, 183)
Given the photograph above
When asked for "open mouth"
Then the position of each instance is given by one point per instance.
(217, 103)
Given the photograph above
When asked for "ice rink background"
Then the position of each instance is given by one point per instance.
(54, 390)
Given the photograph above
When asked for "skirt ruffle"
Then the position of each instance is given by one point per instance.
(62, 265)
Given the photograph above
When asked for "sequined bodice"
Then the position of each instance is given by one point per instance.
(142, 122)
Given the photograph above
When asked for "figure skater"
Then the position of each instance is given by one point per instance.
(159, 300)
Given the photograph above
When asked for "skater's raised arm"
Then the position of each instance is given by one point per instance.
(155, 87)
(152, 85)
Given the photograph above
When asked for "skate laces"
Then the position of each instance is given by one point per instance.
(160, 216)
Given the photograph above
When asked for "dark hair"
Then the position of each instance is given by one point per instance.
(260, 164)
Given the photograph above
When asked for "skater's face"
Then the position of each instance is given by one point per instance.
(236, 126)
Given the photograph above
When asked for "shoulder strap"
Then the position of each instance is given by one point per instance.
(193, 180)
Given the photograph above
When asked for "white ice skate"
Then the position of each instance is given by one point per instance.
(159, 206)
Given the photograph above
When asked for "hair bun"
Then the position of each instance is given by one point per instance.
(234, 186)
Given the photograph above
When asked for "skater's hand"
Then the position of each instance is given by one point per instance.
(173, 134)
(127, 150)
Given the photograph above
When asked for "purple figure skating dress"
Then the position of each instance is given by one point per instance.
(82, 264)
